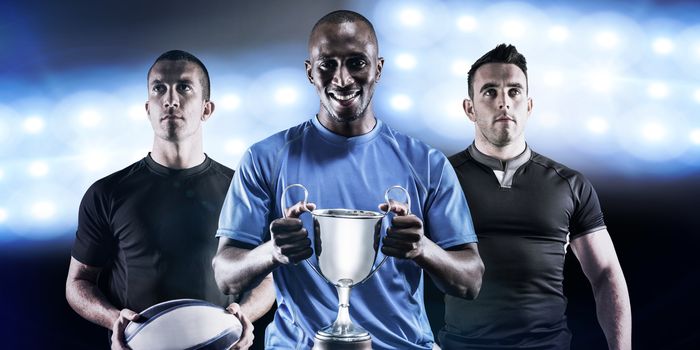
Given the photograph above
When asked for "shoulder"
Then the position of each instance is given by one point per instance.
(279, 140)
(221, 169)
(459, 159)
(411, 147)
(574, 178)
(112, 181)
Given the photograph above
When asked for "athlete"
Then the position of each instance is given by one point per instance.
(347, 158)
(145, 233)
(526, 210)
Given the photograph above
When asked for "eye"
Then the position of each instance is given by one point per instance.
(357, 63)
(514, 92)
(490, 93)
(327, 64)
(184, 87)
(158, 88)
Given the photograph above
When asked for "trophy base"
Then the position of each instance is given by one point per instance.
(325, 343)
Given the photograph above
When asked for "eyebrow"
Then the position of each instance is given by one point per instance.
(490, 85)
(180, 81)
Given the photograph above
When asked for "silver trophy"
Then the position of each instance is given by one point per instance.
(346, 243)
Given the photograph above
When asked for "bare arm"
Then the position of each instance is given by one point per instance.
(258, 301)
(89, 302)
(596, 253)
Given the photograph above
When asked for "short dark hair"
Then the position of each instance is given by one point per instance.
(501, 54)
(344, 16)
(179, 55)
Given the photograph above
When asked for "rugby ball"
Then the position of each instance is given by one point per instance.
(183, 324)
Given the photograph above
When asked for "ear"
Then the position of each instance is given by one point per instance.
(148, 109)
(468, 106)
(308, 66)
(529, 106)
(208, 110)
(380, 65)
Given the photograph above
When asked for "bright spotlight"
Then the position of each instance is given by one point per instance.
(411, 17)
(43, 210)
(285, 96)
(558, 33)
(38, 169)
(662, 46)
(696, 95)
(513, 29)
(89, 118)
(94, 161)
(460, 68)
(597, 125)
(653, 132)
(607, 39)
(467, 24)
(2, 174)
(33, 124)
(136, 112)
(401, 102)
(406, 61)
(3, 214)
(657, 90)
(235, 146)
(695, 136)
(230, 102)
(553, 78)
(600, 80)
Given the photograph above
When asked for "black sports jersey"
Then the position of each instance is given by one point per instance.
(523, 211)
(151, 229)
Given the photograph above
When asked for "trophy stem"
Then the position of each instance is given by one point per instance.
(343, 324)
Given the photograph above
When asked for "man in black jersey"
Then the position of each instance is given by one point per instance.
(526, 209)
(146, 233)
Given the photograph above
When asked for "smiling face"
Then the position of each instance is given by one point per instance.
(176, 105)
(344, 67)
(500, 107)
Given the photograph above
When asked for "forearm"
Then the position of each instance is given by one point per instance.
(238, 270)
(259, 300)
(613, 309)
(90, 303)
(457, 273)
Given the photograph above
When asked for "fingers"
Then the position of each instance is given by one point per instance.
(125, 316)
(290, 241)
(246, 339)
(398, 208)
(299, 208)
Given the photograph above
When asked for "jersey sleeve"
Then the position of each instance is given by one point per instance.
(94, 243)
(447, 219)
(244, 214)
(587, 216)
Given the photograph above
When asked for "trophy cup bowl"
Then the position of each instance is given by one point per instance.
(346, 245)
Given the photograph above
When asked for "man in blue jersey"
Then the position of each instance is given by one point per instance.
(347, 158)
(527, 208)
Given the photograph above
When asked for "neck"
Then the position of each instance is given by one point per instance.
(357, 127)
(504, 152)
(178, 155)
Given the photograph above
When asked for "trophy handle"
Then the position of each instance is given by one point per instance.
(386, 198)
(283, 206)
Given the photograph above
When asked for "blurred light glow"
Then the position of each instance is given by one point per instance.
(411, 17)
(95, 161)
(2, 174)
(553, 78)
(547, 119)
(38, 169)
(235, 146)
(33, 124)
(597, 125)
(513, 28)
(89, 118)
(657, 90)
(607, 39)
(401, 102)
(460, 68)
(662, 46)
(653, 132)
(695, 136)
(230, 102)
(696, 95)
(558, 33)
(600, 80)
(137, 112)
(3, 214)
(406, 61)
(467, 24)
(285, 96)
(43, 210)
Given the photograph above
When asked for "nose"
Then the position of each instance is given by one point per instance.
(172, 99)
(342, 77)
(504, 101)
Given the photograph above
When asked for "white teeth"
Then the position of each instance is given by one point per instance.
(345, 97)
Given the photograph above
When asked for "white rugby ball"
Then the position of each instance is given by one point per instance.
(183, 324)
